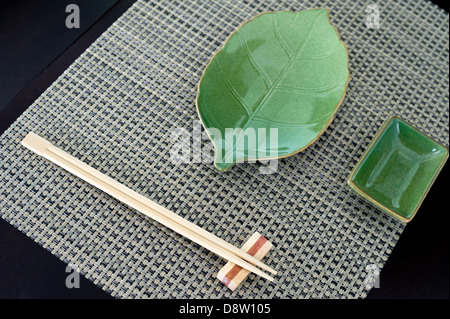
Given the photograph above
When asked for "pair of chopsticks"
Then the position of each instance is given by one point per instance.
(144, 205)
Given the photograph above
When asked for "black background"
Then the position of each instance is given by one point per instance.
(36, 47)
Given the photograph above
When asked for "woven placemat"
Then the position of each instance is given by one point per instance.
(116, 106)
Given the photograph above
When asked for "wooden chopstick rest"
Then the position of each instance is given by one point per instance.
(232, 275)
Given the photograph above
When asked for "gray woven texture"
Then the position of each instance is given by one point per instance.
(116, 106)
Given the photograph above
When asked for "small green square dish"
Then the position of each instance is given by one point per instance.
(398, 168)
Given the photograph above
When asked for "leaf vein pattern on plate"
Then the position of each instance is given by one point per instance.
(230, 87)
(252, 61)
(300, 48)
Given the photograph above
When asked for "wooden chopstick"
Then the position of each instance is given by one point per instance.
(126, 195)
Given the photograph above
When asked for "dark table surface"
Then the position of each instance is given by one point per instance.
(36, 47)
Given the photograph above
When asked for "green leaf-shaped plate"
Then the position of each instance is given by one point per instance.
(274, 87)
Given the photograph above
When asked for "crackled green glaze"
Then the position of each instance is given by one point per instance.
(398, 169)
(282, 70)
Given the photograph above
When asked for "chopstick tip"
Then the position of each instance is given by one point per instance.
(35, 143)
